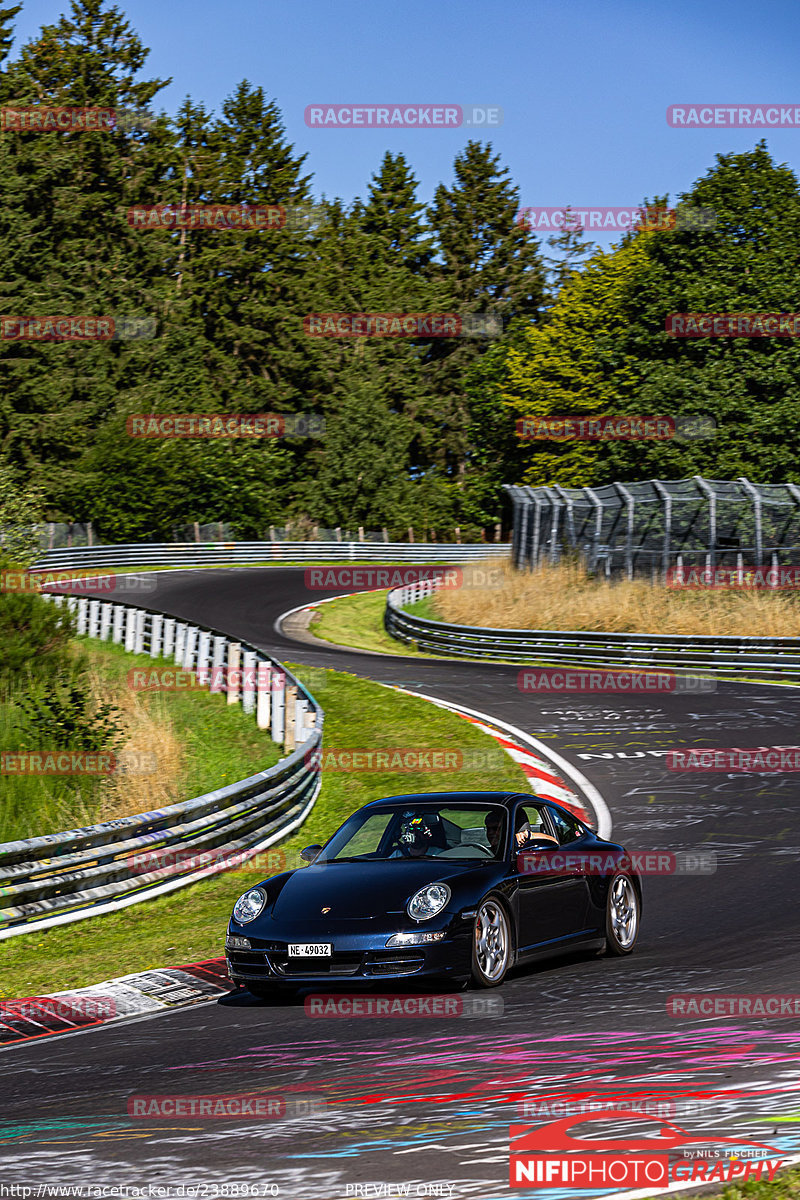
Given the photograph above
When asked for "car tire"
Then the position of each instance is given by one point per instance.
(491, 944)
(623, 915)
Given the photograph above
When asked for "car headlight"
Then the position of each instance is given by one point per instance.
(428, 901)
(233, 942)
(248, 906)
(416, 939)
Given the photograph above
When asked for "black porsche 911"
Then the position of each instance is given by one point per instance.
(446, 885)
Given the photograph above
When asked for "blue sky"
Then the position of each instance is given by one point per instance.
(584, 86)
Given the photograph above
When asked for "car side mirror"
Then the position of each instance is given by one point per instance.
(310, 853)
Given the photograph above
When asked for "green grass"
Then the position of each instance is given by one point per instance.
(357, 621)
(425, 608)
(189, 925)
(221, 744)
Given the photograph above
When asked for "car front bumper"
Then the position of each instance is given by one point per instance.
(355, 957)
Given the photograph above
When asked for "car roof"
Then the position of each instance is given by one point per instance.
(504, 799)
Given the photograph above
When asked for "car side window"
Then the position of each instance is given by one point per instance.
(567, 828)
(534, 818)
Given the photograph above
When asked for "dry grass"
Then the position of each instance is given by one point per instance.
(564, 597)
(147, 732)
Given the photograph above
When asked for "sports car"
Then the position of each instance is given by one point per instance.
(453, 886)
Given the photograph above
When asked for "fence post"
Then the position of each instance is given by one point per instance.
(711, 497)
(248, 680)
(300, 733)
(755, 497)
(169, 637)
(264, 680)
(278, 699)
(106, 612)
(190, 647)
(666, 546)
(130, 629)
(156, 630)
(629, 502)
(180, 641)
(138, 637)
(338, 532)
(119, 619)
(218, 664)
(203, 655)
(83, 610)
(411, 534)
(196, 531)
(233, 680)
(289, 741)
(94, 618)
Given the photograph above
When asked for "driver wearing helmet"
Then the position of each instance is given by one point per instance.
(416, 838)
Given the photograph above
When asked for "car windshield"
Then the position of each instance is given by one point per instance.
(426, 831)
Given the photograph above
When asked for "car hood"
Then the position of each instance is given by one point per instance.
(364, 889)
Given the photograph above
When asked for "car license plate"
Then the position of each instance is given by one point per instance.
(309, 950)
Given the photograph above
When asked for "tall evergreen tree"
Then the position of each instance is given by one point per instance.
(66, 246)
(488, 263)
(395, 219)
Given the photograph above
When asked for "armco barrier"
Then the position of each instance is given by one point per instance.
(81, 873)
(726, 657)
(192, 554)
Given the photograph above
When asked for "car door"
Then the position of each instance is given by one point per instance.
(553, 897)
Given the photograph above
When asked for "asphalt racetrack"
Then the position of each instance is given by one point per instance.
(425, 1104)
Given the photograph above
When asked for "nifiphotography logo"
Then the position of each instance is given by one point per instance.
(549, 1156)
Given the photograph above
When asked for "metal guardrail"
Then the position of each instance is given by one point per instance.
(191, 554)
(764, 658)
(81, 873)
